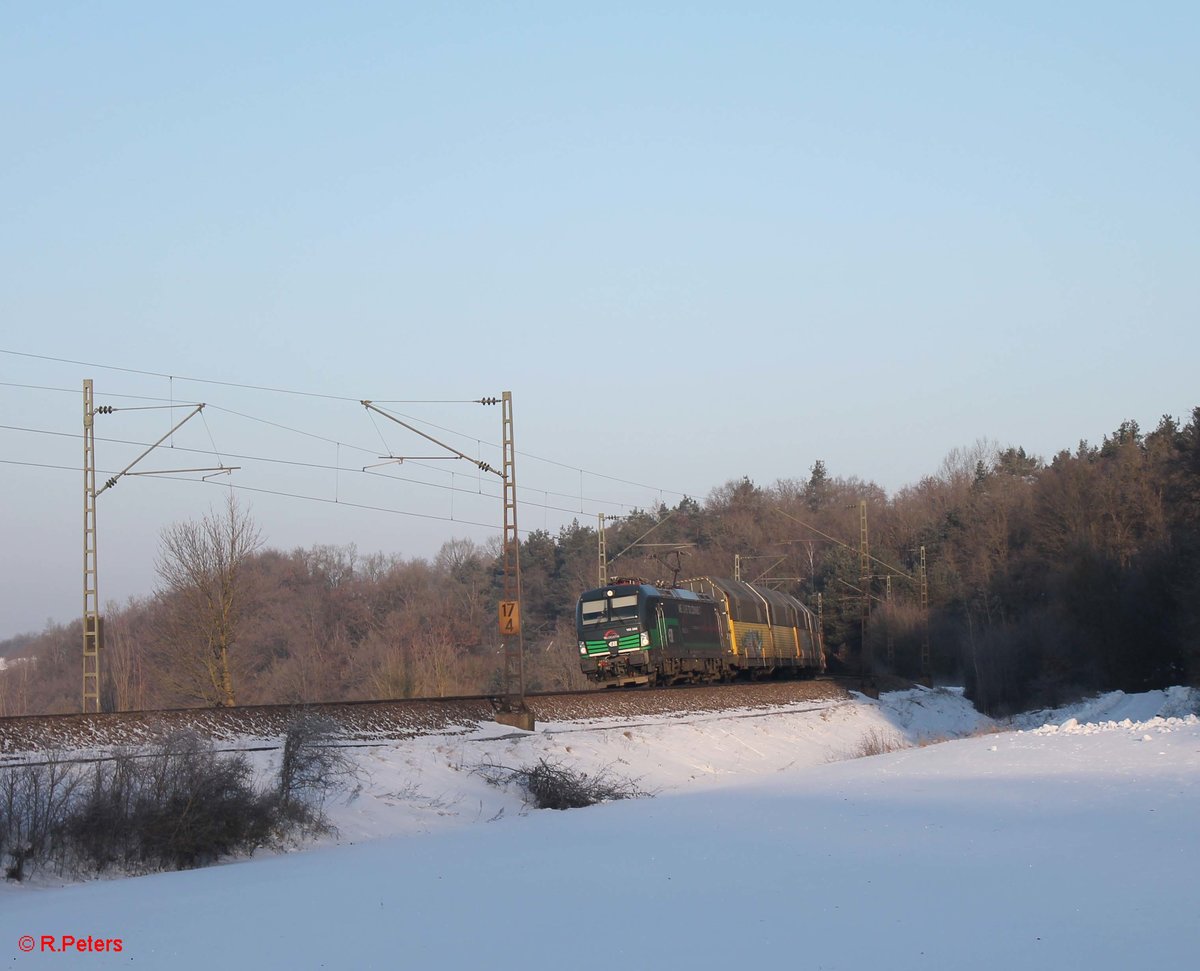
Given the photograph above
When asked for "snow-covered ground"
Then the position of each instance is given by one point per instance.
(1070, 844)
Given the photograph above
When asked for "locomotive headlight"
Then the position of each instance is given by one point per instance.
(582, 647)
(645, 639)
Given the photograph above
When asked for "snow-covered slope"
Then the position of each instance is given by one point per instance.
(1117, 706)
(1021, 849)
(432, 782)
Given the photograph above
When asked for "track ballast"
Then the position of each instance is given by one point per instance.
(396, 719)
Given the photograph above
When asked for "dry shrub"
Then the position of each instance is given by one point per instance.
(182, 806)
(876, 742)
(177, 805)
(311, 767)
(34, 799)
(552, 785)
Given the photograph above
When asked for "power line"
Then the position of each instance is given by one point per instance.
(213, 381)
(353, 505)
(273, 492)
(834, 539)
(331, 397)
(324, 467)
(40, 465)
(75, 393)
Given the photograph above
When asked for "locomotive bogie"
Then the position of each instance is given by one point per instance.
(619, 670)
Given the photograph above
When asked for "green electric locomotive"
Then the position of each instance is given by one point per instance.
(705, 629)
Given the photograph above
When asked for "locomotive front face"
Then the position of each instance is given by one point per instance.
(612, 634)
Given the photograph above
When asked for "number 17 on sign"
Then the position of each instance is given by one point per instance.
(510, 617)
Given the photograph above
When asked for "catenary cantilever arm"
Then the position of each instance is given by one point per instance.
(449, 448)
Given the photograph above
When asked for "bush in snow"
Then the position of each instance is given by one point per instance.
(34, 800)
(311, 767)
(177, 805)
(183, 805)
(552, 785)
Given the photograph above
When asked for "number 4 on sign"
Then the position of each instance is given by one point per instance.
(510, 617)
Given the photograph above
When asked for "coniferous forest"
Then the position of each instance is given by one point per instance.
(1047, 579)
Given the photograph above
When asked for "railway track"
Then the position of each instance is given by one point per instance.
(364, 721)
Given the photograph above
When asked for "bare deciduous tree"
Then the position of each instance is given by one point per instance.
(389, 673)
(203, 589)
(125, 680)
(437, 657)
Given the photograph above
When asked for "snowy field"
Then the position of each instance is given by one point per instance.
(1070, 843)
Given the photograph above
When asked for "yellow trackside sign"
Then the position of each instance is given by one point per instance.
(510, 617)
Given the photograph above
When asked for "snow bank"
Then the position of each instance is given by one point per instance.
(432, 783)
(1157, 725)
(1017, 850)
(1117, 707)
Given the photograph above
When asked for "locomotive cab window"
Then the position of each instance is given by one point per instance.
(608, 610)
(623, 608)
(592, 611)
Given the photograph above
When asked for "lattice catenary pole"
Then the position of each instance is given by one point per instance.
(925, 665)
(513, 709)
(602, 547)
(91, 594)
(864, 566)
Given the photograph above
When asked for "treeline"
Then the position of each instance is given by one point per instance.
(1046, 580)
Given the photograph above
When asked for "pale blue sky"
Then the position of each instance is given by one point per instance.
(696, 241)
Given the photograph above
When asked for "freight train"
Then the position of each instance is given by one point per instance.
(706, 629)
